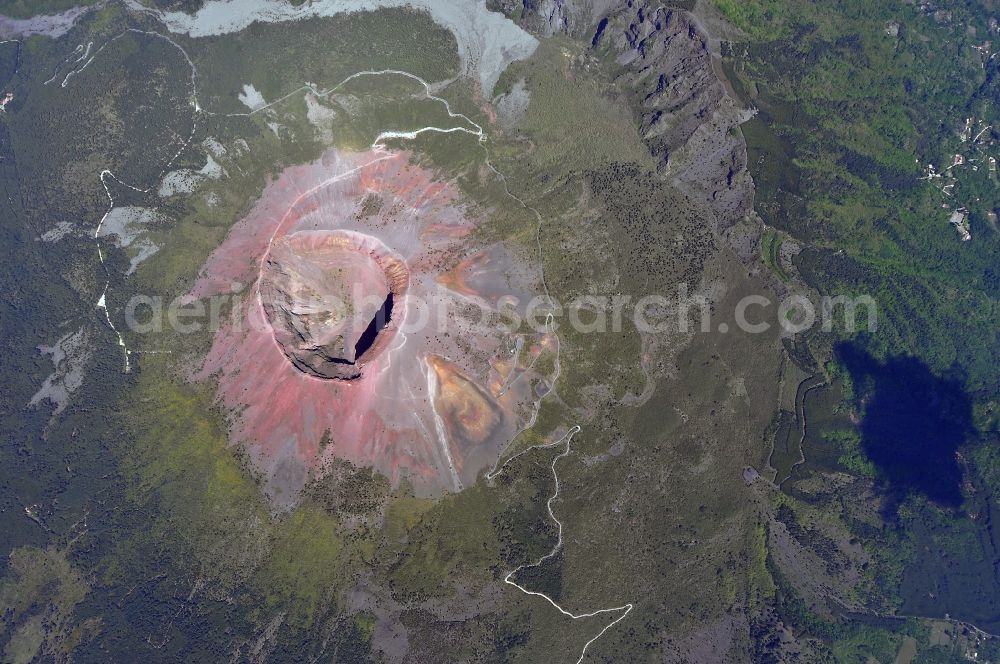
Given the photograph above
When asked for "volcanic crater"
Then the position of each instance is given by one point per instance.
(329, 298)
(360, 345)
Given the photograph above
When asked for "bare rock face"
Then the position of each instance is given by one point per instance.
(688, 120)
(328, 296)
(550, 17)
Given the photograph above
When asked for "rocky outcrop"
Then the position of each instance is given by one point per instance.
(328, 296)
(686, 117)
(688, 120)
(550, 17)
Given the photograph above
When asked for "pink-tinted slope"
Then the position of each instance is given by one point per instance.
(441, 390)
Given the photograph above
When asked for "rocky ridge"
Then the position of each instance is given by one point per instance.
(686, 117)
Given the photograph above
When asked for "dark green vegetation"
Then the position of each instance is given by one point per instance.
(855, 100)
(137, 533)
(770, 248)
(182, 555)
(912, 424)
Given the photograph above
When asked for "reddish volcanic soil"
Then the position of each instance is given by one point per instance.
(355, 335)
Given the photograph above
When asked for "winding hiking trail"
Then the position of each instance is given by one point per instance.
(86, 55)
(625, 609)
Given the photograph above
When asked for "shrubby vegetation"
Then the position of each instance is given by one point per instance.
(855, 100)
